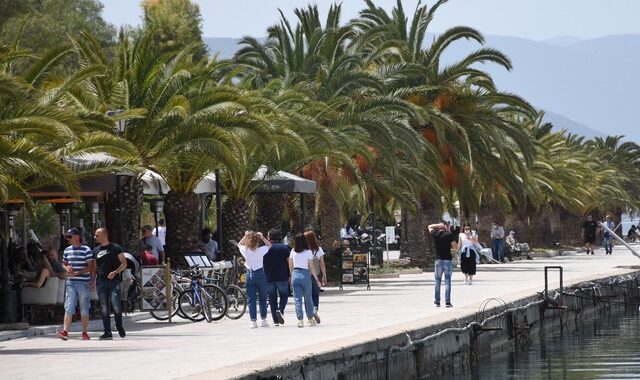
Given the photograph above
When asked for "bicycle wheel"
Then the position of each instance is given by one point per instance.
(237, 302)
(219, 303)
(163, 315)
(206, 306)
(189, 306)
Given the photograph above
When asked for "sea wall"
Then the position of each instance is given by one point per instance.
(452, 347)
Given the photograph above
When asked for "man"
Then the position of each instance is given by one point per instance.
(444, 243)
(589, 229)
(161, 232)
(606, 236)
(276, 268)
(497, 241)
(208, 245)
(149, 239)
(79, 263)
(110, 262)
(56, 265)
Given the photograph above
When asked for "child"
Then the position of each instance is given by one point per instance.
(147, 256)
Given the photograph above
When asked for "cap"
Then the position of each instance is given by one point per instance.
(147, 227)
(74, 231)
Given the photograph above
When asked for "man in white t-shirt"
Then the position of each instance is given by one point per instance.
(161, 232)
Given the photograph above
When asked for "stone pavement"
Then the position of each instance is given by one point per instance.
(229, 348)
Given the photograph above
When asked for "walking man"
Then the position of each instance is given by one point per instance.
(276, 268)
(161, 232)
(79, 263)
(497, 241)
(606, 236)
(589, 229)
(444, 243)
(148, 238)
(110, 262)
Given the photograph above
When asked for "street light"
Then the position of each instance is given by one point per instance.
(121, 125)
(94, 210)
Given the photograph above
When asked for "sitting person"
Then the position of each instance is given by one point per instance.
(56, 265)
(21, 265)
(632, 235)
(43, 272)
(147, 257)
(514, 247)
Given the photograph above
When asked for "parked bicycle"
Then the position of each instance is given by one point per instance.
(236, 297)
(202, 301)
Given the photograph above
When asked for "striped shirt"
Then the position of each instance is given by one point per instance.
(78, 258)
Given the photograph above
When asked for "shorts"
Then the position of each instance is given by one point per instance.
(77, 292)
(590, 239)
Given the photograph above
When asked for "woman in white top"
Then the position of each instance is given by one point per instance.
(301, 267)
(255, 278)
(319, 267)
(468, 248)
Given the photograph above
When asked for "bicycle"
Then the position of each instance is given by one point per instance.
(237, 298)
(199, 302)
(178, 282)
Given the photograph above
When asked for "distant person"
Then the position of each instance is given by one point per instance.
(208, 245)
(147, 258)
(347, 232)
(256, 280)
(110, 262)
(319, 268)
(497, 241)
(606, 236)
(468, 253)
(149, 239)
(56, 265)
(444, 242)
(302, 273)
(161, 232)
(276, 269)
(80, 266)
(632, 234)
(589, 230)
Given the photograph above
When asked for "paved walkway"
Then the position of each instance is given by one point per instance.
(226, 348)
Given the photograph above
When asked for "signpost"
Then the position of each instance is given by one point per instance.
(390, 237)
(154, 288)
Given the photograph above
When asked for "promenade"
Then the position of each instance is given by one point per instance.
(229, 348)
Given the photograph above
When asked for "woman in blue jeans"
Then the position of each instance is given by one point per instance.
(302, 271)
(255, 278)
(319, 267)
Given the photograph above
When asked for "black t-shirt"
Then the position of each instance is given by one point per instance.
(107, 259)
(590, 227)
(442, 241)
(276, 264)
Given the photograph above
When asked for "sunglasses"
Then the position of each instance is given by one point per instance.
(68, 236)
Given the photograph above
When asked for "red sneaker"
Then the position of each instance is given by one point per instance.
(85, 336)
(63, 334)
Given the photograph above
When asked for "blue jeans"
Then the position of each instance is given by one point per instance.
(77, 291)
(301, 282)
(315, 291)
(274, 289)
(257, 283)
(497, 249)
(608, 244)
(109, 296)
(443, 267)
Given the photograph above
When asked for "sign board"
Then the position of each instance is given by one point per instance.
(154, 289)
(354, 266)
(390, 234)
(197, 258)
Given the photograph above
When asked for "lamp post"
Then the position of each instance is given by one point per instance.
(121, 125)
(94, 209)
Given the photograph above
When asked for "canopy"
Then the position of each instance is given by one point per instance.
(282, 182)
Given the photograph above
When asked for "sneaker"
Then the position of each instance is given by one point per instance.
(63, 334)
(300, 323)
(85, 336)
(316, 317)
(279, 317)
(449, 304)
(311, 322)
(253, 325)
(264, 323)
(121, 332)
(470, 282)
(438, 303)
(106, 336)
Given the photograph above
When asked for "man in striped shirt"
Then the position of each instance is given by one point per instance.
(80, 265)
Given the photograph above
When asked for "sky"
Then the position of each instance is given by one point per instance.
(532, 19)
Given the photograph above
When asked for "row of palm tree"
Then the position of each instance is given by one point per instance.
(366, 108)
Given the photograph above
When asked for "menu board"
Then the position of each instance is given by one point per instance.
(154, 288)
(355, 266)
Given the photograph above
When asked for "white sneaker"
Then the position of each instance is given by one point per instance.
(470, 282)
(264, 323)
(253, 325)
(311, 322)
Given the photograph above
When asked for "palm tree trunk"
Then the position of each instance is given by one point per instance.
(431, 214)
(131, 191)
(270, 210)
(294, 213)
(571, 228)
(235, 221)
(415, 242)
(182, 213)
(329, 219)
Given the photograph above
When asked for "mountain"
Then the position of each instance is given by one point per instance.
(560, 122)
(588, 85)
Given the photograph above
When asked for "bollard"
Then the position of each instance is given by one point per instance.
(168, 290)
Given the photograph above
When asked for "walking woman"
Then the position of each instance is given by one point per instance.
(302, 273)
(255, 278)
(468, 254)
(320, 269)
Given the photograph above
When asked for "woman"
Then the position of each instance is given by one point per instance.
(301, 267)
(319, 267)
(43, 271)
(468, 254)
(256, 281)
